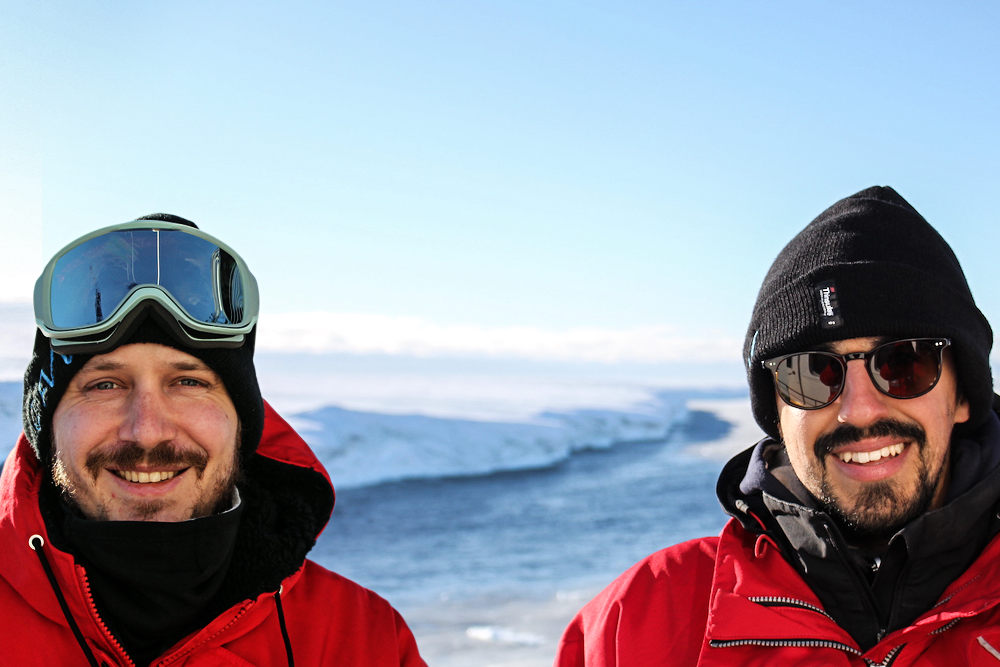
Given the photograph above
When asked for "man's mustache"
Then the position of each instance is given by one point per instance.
(846, 434)
(129, 455)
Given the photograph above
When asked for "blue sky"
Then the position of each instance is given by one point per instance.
(495, 167)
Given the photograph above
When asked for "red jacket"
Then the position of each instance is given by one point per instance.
(734, 600)
(329, 620)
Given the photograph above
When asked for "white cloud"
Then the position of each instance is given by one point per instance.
(359, 333)
(354, 333)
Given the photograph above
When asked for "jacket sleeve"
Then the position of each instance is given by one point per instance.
(409, 656)
(590, 637)
(654, 614)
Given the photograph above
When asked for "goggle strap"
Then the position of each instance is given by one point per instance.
(132, 321)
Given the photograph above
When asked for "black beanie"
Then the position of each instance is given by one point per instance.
(868, 266)
(49, 373)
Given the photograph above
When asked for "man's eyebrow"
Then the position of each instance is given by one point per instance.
(829, 347)
(105, 366)
(177, 365)
(190, 366)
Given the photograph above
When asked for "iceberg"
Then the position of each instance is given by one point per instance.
(365, 448)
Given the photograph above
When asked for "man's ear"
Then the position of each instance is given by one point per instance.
(961, 410)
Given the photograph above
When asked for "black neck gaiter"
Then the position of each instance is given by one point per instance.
(153, 582)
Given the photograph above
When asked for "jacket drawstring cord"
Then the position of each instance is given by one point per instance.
(59, 596)
(284, 629)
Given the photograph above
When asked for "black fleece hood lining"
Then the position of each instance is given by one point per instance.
(287, 508)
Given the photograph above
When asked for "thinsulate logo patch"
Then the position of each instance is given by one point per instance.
(829, 308)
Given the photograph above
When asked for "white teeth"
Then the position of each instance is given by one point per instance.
(145, 477)
(872, 457)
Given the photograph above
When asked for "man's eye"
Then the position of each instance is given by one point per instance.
(107, 384)
(191, 382)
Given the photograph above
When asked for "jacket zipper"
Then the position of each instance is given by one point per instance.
(807, 643)
(97, 616)
(780, 601)
(889, 657)
(778, 643)
(176, 656)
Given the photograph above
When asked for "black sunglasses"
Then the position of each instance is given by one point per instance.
(900, 369)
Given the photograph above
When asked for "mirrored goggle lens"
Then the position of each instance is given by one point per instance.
(92, 280)
(904, 369)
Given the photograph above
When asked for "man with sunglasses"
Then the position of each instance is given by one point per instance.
(156, 511)
(865, 525)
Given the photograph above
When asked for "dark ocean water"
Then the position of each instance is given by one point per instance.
(527, 533)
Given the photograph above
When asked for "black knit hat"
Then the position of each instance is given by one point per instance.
(49, 373)
(868, 266)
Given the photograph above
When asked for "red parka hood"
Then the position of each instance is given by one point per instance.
(284, 477)
(282, 444)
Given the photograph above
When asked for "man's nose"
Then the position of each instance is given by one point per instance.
(147, 421)
(860, 403)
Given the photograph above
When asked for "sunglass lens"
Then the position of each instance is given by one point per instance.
(907, 368)
(810, 379)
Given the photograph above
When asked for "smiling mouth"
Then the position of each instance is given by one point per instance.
(146, 477)
(890, 451)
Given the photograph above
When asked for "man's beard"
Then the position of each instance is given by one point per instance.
(127, 456)
(881, 509)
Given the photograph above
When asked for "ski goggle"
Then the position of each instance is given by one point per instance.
(900, 369)
(200, 287)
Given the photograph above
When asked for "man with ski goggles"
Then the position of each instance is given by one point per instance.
(865, 525)
(156, 511)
